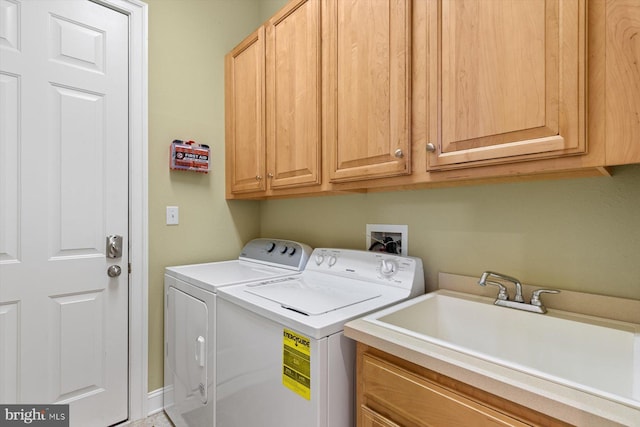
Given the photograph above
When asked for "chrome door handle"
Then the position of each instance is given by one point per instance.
(114, 271)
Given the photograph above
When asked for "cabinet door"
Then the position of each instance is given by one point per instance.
(421, 401)
(244, 121)
(622, 85)
(293, 95)
(366, 83)
(506, 80)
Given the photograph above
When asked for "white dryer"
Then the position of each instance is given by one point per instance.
(190, 321)
(286, 361)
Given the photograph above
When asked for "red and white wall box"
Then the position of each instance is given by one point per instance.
(189, 156)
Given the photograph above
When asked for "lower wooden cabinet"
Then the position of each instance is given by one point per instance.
(371, 418)
(394, 392)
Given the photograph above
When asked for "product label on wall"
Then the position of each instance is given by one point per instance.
(296, 363)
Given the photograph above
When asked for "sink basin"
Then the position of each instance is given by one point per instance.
(595, 355)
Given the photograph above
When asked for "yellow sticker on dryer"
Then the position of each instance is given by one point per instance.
(296, 363)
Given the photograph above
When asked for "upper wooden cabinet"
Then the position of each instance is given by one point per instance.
(244, 116)
(366, 88)
(360, 95)
(273, 104)
(622, 84)
(506, 80)
(293, 96)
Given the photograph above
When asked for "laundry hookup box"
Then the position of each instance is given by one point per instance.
(189, 156)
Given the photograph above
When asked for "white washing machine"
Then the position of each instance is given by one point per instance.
(286, 362)
(190, 321)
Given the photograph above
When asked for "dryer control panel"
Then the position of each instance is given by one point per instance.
(277, 252)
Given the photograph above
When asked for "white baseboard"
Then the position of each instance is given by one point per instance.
(154, 401)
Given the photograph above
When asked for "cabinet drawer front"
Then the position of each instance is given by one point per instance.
(423, 401)
(373, 419)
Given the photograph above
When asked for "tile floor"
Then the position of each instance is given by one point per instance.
(156, 420)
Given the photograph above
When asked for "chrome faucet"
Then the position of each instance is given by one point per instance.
(502, 300)
(483, 282)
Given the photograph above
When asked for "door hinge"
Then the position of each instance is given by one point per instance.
(129, 268)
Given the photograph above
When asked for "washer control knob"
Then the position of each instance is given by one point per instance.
(284, 250)
(292, 250)
(270, 247)
(319, 259)
(388, 267)
(332, 260)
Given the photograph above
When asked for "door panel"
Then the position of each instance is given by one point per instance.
(9, 336)
(77, 174)
(293, 96)
(507, 79)
(76, 44)
(483, 82)
(188, 340)
(366, 81)
(63, 189)
(78, 344)
(9, 168)
(245, 115)
(621, 82)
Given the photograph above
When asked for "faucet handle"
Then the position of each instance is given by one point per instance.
(535, 296)
(502, 293)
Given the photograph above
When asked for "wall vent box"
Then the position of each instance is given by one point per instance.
(388, 238)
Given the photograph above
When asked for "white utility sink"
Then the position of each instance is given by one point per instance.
(591, 354)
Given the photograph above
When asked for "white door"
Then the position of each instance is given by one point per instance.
(63, 189)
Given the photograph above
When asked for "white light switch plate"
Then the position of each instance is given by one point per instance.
(172, 215)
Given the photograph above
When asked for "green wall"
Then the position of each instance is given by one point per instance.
(187, 43)
(571, 234)
(269, 7)
(578, 234)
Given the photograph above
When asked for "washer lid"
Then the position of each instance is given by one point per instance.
(311, 299)
(212, 275)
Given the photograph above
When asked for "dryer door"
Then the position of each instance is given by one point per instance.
(187, 346)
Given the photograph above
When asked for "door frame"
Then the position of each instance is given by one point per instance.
(137, 11)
